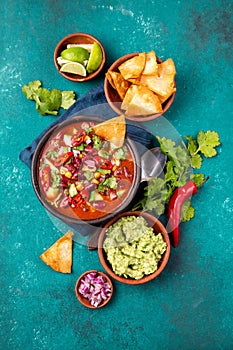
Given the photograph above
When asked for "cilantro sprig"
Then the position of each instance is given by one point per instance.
(48, 102)
(181, 160)
(204, 145)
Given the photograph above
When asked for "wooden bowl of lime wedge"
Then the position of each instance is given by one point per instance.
(79, 57)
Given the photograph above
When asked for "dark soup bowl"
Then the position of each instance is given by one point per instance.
(80, 177)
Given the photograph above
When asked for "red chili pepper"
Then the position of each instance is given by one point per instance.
(46, 177)
(77, 139)
(180, 195)
(103, 163)
(77, 200)
(63, 158)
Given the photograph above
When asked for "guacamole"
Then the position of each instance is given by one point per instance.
(132, 248)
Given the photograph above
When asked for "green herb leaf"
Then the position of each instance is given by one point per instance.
(110, 182)
(207, 141)
(196, 159)
(68, 99)
(198, 179)
(120, 153)
(155, 195)
(177, 171)
(187, 211)
(97, 142)
(31, 89)
(48, 102)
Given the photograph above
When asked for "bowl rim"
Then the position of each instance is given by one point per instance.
(74, 220)
(73, 77)
(83, 300)
(116, 105)
(152, 221)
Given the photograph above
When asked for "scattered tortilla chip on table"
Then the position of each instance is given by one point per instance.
(59, 255)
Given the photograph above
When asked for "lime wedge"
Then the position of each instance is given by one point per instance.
(75, 54)
(95, 58)
(88, 47)
(74, 68)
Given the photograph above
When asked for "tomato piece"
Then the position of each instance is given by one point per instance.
(63, 158)
(103, 163)
(77, 200)
(46, 177)
(77, 139)
(106, 164)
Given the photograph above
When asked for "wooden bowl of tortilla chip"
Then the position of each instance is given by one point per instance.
(141, 86)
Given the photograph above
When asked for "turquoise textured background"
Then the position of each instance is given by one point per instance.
(190, 305)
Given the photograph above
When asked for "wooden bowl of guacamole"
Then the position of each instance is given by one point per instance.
(134, 247)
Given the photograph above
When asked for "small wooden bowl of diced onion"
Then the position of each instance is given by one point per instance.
(79, 57)
(94, 289)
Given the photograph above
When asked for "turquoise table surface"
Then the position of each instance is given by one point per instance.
(189, 306)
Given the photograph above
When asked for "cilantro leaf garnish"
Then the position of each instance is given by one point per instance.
(109, 182)
(120, 153)
(181, 160)
(187, 212)
(207, 143)
(67, 99)
(48, 102)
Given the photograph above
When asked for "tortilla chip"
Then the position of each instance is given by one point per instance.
(133, 67)
(151, 65)
(110, 79)
(164, 98)
(118, 83)
(167, 68)
(129, 96)
(141, 101)
(59, 255)
(113, 130)
(161, 85)
(135, 81)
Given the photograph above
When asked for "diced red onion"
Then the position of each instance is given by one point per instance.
(88, 141)
(90, 163)
(127, 174)
(76, 152)
(99, 204)
(64, 203)
(113, 195)
(85, 125)
(95, 288)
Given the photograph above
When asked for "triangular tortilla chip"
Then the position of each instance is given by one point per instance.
(151, 65)
(110, 79)
(118, 83)
(161, 85)
(166, 68)
(142, 102)
(164, 98)
(129, 96)
(113, 130)
(133, 67)
(59, 255)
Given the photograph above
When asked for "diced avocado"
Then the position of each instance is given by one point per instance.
(72, 190)
(95, 196)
